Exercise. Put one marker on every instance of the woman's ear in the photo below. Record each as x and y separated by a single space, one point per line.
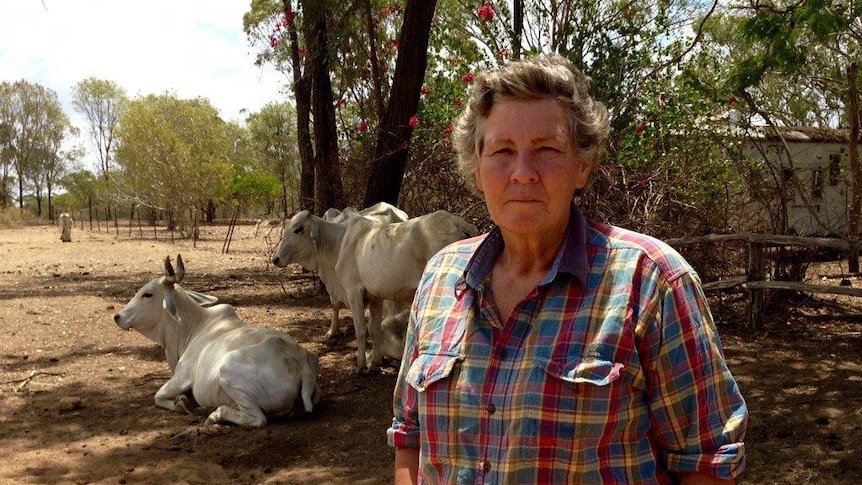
478 181
582 173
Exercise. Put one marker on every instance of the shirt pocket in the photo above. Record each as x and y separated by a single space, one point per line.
588 386
430 368
594 371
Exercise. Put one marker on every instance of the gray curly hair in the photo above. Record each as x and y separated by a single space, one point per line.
535 78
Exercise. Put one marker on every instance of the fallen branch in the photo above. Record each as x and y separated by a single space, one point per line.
153 376
26 380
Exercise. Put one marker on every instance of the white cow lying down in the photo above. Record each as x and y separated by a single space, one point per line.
244 372
363 262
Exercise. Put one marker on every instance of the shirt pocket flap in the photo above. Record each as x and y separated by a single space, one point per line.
590 371
430 368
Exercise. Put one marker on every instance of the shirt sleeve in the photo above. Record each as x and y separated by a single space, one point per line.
698 414
404 432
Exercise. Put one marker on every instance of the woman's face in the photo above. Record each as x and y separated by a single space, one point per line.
528 168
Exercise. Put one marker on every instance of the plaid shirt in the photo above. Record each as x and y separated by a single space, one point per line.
610 371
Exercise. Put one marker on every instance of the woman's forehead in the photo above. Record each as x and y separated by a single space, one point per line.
534 119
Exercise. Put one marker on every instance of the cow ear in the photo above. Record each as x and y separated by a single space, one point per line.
201 298
170 304
314 232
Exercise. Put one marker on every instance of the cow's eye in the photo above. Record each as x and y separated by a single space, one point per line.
147 295
298 230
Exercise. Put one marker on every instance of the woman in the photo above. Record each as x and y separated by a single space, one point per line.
555 349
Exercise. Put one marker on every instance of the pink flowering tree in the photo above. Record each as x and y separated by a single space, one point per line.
382 155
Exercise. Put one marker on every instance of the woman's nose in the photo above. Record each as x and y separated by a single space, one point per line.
524 170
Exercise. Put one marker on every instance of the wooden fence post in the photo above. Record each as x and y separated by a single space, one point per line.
756 272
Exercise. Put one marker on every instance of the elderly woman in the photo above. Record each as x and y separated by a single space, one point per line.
555 349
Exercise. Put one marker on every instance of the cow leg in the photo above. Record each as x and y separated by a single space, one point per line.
357 309
237 382
172 392
261 376
376 314
333 325
310 391
252 416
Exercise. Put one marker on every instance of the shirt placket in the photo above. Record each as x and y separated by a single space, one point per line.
506 343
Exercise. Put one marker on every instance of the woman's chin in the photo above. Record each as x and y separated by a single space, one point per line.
523 224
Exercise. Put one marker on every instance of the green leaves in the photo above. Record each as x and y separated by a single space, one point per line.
175 153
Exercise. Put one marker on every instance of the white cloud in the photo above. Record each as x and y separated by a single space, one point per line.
193 48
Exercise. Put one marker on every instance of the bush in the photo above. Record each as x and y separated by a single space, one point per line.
11 217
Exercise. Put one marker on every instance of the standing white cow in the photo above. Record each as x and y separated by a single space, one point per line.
65 222
363 262
244 372
380 212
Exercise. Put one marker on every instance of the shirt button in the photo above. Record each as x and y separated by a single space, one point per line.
492 409
486 466
502 354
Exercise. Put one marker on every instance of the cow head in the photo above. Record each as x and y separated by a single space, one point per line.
144 312
299 242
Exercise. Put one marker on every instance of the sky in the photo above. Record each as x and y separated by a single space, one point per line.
189 48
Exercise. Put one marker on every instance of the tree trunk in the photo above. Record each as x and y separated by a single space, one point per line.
302 93
375 62
853 155
329 190
517 28
50 205
20 191
393 141
211 212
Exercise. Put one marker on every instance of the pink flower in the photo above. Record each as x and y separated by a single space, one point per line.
640 128
467 78
732 100
273 42
414 121
302 51
385 12
289 15
458 102
447 130
363 126
485 13
393 45
662 97
426 90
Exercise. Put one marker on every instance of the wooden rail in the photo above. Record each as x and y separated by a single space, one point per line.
754 281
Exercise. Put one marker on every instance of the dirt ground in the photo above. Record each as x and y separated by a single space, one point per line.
76 391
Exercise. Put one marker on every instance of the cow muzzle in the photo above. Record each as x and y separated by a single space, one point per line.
118 319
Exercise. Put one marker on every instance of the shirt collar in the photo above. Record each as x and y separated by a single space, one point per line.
571 258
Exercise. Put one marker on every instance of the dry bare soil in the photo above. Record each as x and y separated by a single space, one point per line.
76 391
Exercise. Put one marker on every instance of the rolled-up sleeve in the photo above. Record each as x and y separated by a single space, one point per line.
698 413
404 432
